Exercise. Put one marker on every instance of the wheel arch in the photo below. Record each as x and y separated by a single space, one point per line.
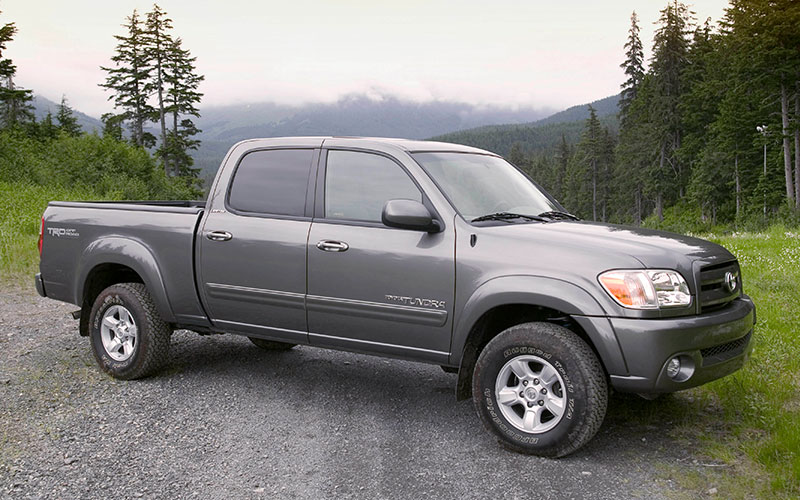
511 300
118 260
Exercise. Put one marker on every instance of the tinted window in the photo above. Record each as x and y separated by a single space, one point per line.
272 182
358 185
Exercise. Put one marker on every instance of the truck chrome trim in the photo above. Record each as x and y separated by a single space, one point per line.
344 340
377 310
258 295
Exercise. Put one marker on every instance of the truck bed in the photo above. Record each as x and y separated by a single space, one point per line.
155 239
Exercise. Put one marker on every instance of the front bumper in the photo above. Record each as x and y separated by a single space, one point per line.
710 346
39 284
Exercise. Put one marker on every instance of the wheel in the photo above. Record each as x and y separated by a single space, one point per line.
129 339
271 345
540 389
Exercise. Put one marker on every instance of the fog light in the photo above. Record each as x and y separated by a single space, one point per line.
674 368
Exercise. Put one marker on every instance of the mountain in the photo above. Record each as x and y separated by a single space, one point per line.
489 127
539 136
43 105
355 115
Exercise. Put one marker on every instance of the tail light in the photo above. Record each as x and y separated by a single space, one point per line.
41 237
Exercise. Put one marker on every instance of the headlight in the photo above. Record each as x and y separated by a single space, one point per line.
646 289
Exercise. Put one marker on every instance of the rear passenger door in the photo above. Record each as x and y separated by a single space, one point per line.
370 287
252 249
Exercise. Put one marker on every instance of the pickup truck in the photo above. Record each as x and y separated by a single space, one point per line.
424 251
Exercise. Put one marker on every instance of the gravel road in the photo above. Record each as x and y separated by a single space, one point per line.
228 420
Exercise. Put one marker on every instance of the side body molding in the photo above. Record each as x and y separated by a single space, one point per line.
544 292
130 253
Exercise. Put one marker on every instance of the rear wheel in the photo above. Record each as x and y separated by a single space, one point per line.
540 389
270 345
129 339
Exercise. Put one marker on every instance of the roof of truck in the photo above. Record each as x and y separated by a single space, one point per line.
409 145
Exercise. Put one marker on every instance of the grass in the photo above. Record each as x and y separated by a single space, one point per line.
20 218
747 425
760 404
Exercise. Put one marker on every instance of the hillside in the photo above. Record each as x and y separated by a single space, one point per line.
538 136
352 115
43 105
384 116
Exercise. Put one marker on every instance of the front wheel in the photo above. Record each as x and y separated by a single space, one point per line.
129 339
540 389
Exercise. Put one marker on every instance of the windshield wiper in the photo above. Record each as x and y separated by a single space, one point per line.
557 214
508 216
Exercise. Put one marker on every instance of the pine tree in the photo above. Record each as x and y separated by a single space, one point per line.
562 162
766 36
128 81
67 121
15 102
670 49
112 125
158 44
181 98
633 66
584 171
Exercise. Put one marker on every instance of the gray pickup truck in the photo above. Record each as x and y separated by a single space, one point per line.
418 250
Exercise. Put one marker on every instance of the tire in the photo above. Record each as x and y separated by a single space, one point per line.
129 339
557 405
271 345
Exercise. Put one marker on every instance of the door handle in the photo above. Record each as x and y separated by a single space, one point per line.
332 246
219 235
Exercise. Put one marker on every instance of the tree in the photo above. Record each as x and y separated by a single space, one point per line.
128 81
157 50
562 161
633 66
67 121
670 50
181 98
766 35
516 156
15 102
586 171
112 125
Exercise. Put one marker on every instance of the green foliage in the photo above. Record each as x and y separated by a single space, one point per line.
761 403
23 205
106 166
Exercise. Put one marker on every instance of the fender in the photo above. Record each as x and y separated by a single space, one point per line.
130 253
541 291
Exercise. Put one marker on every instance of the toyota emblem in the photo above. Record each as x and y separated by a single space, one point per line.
730 281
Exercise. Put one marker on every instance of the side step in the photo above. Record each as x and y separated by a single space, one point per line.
76 314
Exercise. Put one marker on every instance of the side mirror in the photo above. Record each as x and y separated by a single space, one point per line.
409 214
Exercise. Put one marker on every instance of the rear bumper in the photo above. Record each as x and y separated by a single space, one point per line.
39 284
710 346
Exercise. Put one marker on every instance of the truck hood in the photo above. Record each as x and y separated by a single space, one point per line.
588 248
654 249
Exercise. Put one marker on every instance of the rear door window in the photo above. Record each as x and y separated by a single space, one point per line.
272 182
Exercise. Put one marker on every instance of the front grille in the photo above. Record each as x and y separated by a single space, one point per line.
726 351
713 290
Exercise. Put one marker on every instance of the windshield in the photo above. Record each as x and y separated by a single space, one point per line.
479 185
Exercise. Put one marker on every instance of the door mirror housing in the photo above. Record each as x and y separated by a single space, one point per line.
409 214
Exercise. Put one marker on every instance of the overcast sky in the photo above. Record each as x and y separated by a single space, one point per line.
537 53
